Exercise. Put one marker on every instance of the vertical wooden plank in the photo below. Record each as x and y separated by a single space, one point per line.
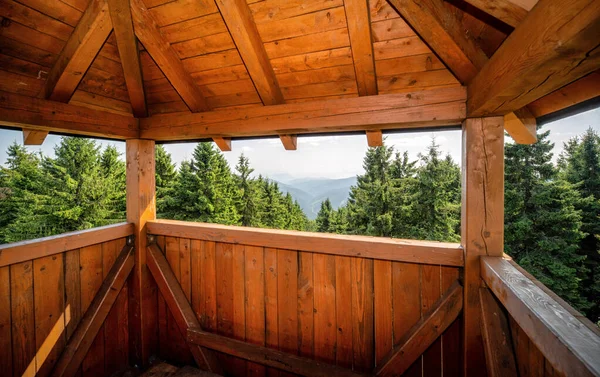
382 271
163 336
5 322
72 292
255 302
305 304
271 322
343 311
90 260
362 314
287 299
224 267
406 293
482 224
431 285
196 280
23 322
185 266
324 317
536 361
49 292
141 207
209 288
451 342
239 307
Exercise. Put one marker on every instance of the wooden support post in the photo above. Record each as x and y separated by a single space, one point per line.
141 207
521 126
290 142
224 143
482 222
374 138
34 137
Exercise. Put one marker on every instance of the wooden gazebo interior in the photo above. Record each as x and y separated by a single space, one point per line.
252 302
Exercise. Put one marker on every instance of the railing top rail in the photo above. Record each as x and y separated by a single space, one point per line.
40 247
412 251
566 342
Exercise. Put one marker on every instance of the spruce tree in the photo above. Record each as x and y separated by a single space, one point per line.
249 201
273 211
165 180
323 219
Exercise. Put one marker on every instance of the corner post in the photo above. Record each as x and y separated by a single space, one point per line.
141 207
482 223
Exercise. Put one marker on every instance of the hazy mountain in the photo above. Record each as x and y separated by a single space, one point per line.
310 192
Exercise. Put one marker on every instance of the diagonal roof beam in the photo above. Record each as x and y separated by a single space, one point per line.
239 21
165 57
504 10
120 14
79 52
359 27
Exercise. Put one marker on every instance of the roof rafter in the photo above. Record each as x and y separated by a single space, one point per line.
359 28
504 10
290 142
34 137
120 14
165 57
79 52
239 21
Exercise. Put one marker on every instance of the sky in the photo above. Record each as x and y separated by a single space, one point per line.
327 156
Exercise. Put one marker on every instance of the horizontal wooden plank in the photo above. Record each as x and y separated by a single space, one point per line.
26 250
266 356
427 108
568 344
22 111
426 252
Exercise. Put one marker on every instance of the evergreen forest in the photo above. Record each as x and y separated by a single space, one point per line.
552 211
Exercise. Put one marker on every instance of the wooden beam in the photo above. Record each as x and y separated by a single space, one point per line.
298 365
79 52
499 352
179 306
423 333
18 252
165 57
224 143
482 223
553 46
120 14
568 344
411 251
34 137
443 32
375 138
585 88
428 108
359 28
38 114
504 10
290 142
521 126
70 359
141 208
239 21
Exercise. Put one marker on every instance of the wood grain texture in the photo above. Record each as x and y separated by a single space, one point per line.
482 224
568 344
359 29
6 360
34 137
552 47
521 126
359 246
79 52
224 143
374 138
504 10
23 321
290 142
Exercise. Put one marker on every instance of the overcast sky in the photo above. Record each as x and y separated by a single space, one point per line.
328 156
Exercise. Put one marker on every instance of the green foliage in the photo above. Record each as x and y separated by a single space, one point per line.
165 180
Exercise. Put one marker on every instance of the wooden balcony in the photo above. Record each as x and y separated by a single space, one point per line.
245 301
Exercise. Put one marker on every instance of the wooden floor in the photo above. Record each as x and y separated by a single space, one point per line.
167 370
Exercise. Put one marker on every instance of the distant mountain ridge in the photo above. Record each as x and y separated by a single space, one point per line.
310 192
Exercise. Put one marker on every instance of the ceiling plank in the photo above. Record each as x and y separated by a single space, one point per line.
165 57
375 138
120 14
521 126
553 46
503 10
443 32
426 108
290 142
38 114
239 21
224 143
34 137
79 52
359 28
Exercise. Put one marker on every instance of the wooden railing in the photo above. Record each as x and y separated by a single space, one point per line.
557 339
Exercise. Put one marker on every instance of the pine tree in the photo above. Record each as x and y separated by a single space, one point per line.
249 201
324 217
165 180
273 212
114 181
542 226
403 174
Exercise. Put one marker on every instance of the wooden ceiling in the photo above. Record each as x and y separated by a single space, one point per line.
206 55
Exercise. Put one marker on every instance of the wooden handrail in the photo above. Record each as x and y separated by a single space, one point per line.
567 343
412 251
32 249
